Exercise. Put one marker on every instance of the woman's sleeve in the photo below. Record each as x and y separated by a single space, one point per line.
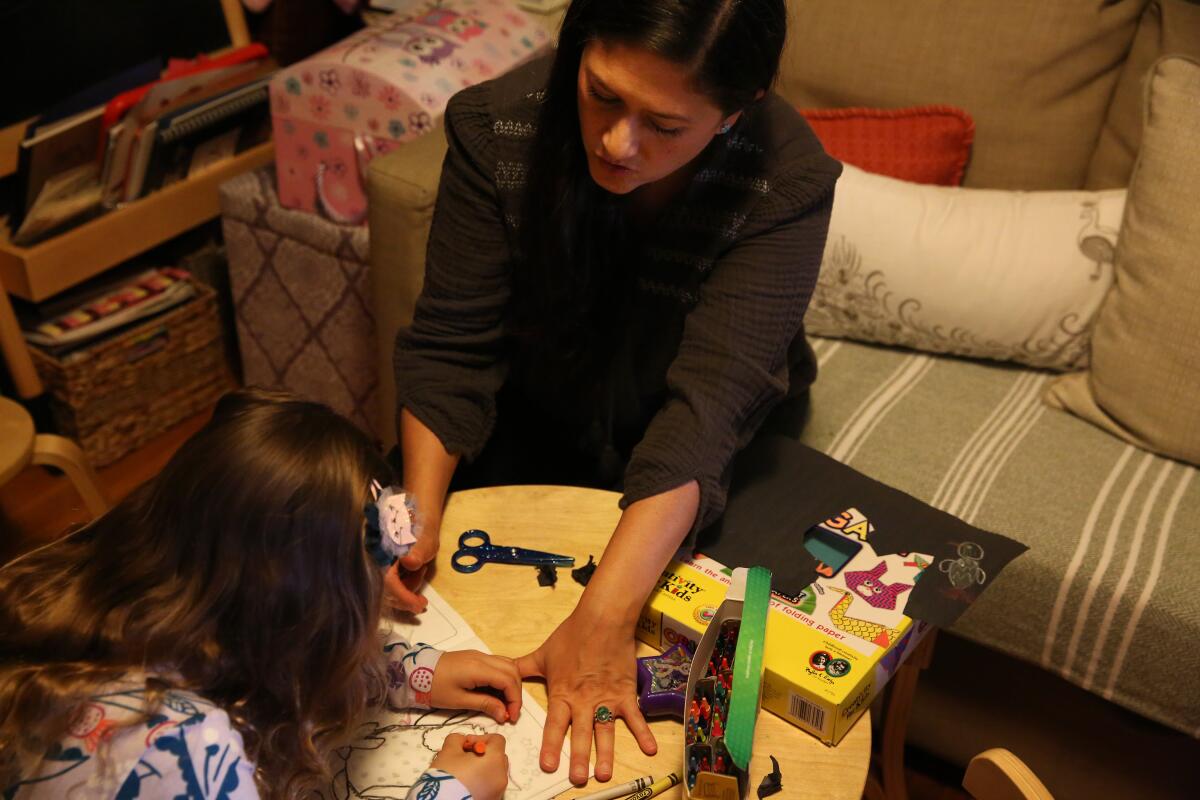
449 363
410 673
732 366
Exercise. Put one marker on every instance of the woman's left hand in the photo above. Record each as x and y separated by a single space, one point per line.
590 660
587 663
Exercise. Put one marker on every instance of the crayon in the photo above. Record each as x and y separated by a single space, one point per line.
656 789
622 790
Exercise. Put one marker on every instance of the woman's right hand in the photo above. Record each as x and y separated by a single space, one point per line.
404 578
486 774
428 468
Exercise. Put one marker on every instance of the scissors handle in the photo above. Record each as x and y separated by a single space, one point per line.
473 548
473 561
465 543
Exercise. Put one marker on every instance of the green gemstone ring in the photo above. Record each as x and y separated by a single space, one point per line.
603 715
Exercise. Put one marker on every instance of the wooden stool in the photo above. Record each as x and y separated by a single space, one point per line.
997 774
21 445
15 352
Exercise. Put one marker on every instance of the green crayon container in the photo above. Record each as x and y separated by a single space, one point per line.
723 692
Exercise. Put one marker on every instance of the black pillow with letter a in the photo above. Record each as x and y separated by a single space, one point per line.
780 492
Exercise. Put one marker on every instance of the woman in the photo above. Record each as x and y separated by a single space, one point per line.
624 244
216 635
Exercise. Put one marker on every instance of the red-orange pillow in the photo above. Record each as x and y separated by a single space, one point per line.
923 144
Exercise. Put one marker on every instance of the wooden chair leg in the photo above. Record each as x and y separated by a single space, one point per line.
902 689
16 352
997 774
57 451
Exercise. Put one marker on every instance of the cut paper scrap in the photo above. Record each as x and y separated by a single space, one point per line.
392 748
864 629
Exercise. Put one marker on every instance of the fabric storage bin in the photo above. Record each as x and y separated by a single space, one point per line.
301 299
384 85
118 393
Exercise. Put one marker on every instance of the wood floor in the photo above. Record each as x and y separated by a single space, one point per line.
37 506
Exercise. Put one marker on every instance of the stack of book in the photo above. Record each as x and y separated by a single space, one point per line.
97 312
136 133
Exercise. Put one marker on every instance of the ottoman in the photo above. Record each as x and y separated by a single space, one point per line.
300 293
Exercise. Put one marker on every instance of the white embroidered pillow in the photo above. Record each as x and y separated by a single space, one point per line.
1013 276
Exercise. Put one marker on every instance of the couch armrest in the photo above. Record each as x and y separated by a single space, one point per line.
401 189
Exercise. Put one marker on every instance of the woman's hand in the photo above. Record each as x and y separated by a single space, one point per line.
589 661
476 681
486 774
405 578
428 468
587 664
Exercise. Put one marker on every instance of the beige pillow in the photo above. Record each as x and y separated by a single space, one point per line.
986 273
1144 382
1167 27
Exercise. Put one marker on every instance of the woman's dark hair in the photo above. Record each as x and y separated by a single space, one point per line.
570 266
238 572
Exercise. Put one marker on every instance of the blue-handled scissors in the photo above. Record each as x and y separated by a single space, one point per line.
475 548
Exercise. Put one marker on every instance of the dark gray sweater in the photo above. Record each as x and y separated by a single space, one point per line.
721 283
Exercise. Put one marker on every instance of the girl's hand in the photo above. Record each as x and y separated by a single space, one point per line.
405 577
486 775
477 681
587 664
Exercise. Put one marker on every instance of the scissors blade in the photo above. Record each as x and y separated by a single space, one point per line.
520 555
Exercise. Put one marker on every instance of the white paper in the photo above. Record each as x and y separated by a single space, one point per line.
395 747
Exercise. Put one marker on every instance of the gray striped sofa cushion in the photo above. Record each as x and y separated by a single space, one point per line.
1108 595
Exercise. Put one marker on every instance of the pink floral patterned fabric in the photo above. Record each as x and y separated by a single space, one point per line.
383 86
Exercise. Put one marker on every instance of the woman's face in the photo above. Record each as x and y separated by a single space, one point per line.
641 119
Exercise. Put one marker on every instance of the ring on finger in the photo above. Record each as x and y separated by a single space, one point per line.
603 714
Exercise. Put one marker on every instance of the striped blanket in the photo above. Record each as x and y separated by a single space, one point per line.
1108 595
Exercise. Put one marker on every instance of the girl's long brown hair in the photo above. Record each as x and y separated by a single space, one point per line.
238 573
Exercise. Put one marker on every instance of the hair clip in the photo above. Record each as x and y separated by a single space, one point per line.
391 524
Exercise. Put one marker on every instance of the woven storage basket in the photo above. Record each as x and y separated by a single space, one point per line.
116 395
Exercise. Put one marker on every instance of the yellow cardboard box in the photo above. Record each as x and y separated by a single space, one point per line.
829 650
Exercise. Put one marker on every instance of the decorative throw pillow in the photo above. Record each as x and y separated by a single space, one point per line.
1038 76
922 144
988 273
1144 382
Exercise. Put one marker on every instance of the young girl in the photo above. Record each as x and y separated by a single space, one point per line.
216 634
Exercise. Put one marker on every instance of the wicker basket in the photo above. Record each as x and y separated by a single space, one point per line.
118 394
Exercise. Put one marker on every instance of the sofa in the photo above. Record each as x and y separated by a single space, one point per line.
1082 657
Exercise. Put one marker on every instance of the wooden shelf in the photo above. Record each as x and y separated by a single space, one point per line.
10 143
44 269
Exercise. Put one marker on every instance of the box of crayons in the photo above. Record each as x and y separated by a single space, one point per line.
723 692
829 650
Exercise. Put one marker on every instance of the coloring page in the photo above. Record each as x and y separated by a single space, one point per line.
439 626
394 747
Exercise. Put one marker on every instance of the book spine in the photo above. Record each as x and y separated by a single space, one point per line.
202 119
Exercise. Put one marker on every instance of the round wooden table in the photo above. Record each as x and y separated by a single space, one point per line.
513 615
